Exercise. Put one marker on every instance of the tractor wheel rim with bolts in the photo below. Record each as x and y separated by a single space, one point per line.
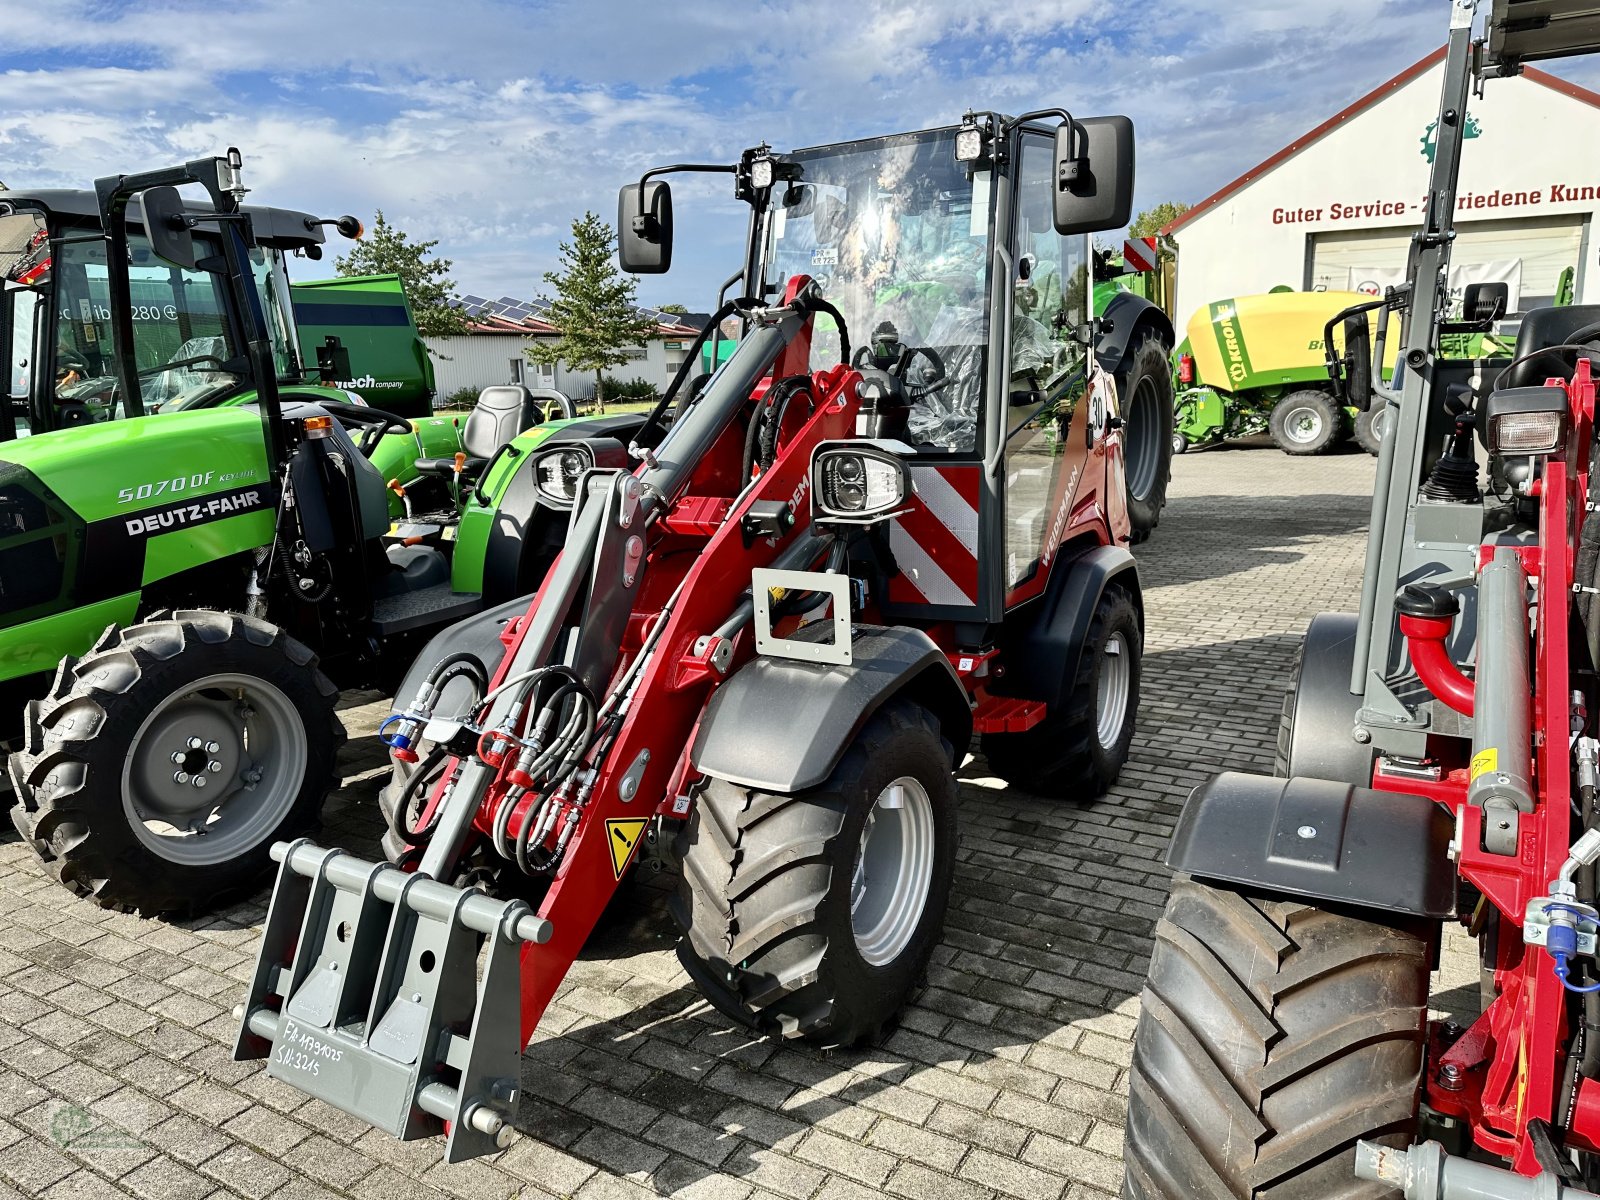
893 871
1303 425
1380 423
1143 451
1112 690
239 734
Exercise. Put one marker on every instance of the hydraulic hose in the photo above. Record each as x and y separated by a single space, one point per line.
653 421
398 824
770 410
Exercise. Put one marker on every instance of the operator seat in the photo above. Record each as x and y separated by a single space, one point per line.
502 412
1548 327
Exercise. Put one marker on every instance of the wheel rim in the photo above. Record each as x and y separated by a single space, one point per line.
1112 690
1380 424
1143 444
893 871
1179 443
1303 426
239 734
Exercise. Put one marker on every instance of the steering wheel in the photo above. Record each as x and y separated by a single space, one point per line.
940 377
178 364
373 422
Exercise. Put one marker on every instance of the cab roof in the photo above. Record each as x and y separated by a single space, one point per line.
280 228
1521 31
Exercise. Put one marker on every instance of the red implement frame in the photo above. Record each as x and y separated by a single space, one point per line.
1505 1071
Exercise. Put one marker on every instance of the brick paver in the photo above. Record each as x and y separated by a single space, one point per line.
1007 1078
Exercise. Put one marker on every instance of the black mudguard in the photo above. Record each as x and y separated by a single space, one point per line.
1041 644
1320 742
1130 317
780 725
1319 839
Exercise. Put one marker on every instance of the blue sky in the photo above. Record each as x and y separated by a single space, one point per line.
490 124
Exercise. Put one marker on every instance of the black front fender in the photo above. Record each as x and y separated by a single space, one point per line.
1319 839
1131 317
781 725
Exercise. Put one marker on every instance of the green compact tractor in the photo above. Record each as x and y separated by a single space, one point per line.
182 487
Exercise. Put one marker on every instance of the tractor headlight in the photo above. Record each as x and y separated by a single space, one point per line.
969 139
761 173
1525 420
857 483
556 473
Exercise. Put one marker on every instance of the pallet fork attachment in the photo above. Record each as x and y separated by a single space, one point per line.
379 1010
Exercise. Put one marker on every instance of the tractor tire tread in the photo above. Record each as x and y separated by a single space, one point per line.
1301 1027
55 812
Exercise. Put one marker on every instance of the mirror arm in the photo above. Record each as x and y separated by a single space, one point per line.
698 168
1080 139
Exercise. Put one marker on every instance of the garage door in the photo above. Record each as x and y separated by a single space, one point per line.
1529 252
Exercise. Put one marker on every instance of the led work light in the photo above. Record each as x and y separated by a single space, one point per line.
556 473
969 140
857 483
1525 420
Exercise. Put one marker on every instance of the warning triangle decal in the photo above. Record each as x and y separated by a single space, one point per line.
622 835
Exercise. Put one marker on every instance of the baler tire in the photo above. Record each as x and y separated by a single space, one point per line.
1144 392
1370 426
83 740
768 892
1326 434
1272 1036
1067 754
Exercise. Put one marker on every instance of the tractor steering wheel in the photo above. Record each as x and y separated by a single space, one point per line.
373 422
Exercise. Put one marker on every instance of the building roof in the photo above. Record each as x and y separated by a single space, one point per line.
1376 96
529 318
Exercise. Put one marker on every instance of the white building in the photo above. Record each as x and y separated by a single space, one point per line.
1335 210
493 351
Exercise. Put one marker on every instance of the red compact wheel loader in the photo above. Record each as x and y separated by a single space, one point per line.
893 518
1438 762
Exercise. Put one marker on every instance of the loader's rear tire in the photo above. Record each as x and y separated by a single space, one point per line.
1306 422
1272 1036
814 915
1079 749
109 775
1144 391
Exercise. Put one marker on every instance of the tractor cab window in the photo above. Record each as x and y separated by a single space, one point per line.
182 341
1046 425
895 232
36 542
272 285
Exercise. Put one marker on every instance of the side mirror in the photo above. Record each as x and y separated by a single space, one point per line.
333 362
1485 303
165 226
644 228
1357 361
1094 175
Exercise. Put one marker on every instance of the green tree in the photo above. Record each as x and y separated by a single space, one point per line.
675 309
386 250
1153 220
593 307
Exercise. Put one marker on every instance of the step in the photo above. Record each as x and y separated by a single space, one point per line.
422 609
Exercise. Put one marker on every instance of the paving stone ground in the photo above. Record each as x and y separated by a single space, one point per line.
1006 1079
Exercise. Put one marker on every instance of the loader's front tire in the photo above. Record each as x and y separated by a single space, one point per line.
1081 745
814 915
1272 1036
1144 391
159 769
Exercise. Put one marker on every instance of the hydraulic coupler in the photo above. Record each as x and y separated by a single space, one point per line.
1426 1172
365 995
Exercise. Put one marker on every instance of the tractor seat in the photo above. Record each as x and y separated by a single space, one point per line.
500 414
1548 327
414 568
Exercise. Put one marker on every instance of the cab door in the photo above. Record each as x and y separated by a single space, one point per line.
1050 407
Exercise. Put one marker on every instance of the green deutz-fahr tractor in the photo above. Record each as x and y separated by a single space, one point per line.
182 487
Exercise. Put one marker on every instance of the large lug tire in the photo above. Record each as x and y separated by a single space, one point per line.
108 778
1306 422
1372 426
814 915
1144 391
1272 1036
1079 749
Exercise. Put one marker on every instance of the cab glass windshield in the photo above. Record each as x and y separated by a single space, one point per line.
895 232
182 344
